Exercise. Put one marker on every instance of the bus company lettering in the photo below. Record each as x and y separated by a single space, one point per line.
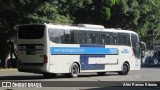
69 50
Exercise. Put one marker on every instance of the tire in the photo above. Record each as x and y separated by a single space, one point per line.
125 69
101 73
49 75
74 71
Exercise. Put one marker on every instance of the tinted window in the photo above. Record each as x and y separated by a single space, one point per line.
31 31
85 37
134 39
113 38
92 37
135 45
55 35
123 39
67 37
80 37
104 38
60 35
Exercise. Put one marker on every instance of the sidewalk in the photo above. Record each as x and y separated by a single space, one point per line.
1 69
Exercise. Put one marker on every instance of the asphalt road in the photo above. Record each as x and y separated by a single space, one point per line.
88 81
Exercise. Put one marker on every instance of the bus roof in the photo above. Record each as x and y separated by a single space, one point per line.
94 28
87 27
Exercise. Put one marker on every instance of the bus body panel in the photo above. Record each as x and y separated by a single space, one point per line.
58 62
110 62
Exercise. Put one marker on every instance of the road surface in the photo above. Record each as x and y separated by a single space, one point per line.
87 81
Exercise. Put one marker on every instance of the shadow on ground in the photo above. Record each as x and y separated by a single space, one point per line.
40 76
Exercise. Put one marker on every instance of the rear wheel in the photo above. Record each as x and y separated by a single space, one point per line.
125 69
101 73
49 75
74 71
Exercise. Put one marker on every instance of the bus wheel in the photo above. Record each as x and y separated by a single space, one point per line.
74 71
101 73
49 75
125 69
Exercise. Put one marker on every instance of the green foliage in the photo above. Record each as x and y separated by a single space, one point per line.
15 12
141 16
70 7
137 15
96 12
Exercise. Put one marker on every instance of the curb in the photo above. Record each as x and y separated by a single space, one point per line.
1 70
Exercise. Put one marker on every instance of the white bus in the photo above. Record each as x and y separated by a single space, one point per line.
62 49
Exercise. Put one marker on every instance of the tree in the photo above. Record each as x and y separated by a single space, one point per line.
141 16
15 12
71 7
96 12
138 15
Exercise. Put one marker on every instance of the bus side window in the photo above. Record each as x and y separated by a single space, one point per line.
104 38
113 39
63 37
72 37
123 39
55 35
79 37
92 37
66 36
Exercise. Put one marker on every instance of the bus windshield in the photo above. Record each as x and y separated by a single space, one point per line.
135 45
31 31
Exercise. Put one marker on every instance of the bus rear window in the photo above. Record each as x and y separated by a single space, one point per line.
31 31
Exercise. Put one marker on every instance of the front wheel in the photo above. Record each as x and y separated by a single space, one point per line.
125 69
74 71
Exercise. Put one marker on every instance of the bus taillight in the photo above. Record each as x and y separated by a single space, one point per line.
45 59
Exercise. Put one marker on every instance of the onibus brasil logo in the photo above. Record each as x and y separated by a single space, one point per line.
21 84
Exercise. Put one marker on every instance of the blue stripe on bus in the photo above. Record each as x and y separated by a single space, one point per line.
83 50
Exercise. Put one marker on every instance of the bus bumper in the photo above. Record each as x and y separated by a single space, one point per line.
34 68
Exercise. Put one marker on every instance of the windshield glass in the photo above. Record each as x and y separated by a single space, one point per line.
135 45
31 31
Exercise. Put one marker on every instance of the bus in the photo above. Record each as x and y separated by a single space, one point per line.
72 49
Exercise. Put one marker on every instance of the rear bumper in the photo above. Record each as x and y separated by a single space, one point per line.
33 68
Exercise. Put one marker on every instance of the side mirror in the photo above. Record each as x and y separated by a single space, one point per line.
143 49
142 53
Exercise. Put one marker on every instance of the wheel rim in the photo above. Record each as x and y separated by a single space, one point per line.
125 69
75 70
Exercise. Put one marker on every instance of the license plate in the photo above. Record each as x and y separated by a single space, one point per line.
30 50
